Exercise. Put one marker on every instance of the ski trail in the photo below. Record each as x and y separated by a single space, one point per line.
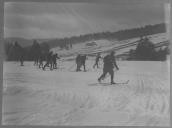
152 98
56 100
165 95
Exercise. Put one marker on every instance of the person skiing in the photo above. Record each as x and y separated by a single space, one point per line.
54 57
83 59
78 62
48 61
41 58
21 60
109 64
35 61
97 60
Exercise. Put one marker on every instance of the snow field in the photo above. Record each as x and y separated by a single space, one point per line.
65 97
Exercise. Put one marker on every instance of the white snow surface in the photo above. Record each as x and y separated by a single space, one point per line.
32 96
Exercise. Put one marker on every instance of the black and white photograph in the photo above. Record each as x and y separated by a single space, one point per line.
86 63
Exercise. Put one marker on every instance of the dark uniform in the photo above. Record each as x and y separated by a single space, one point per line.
97 61
54 57
21 60
41 58
78 63
109 64
83 59
48 61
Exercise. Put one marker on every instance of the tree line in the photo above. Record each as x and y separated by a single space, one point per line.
66 43
15 52
145 50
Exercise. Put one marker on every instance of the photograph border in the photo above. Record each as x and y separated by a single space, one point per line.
167 20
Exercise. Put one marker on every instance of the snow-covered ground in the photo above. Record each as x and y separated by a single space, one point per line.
32 96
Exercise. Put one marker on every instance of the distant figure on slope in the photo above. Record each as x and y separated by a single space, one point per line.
22 60
83 60
36 60
48 61
54 57
97 60
41 58
109 63
78 62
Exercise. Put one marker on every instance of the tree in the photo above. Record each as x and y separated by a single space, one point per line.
162 54
15 52
35 50
131 54
145 50
44 48
7 48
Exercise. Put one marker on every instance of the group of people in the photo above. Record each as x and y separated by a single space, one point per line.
80 61
109 64
51 61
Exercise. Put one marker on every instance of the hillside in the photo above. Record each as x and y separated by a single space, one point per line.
121 35
103 46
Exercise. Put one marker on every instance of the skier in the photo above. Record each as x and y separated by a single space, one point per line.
78 62
97 60
21 60
109 63
41 58
54 57
36 60
83 59
48 61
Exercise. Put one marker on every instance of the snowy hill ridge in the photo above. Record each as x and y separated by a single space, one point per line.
103 46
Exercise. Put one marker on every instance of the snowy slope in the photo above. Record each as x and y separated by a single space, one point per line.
32 96
106 45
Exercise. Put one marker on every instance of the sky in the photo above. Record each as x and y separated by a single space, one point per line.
40 20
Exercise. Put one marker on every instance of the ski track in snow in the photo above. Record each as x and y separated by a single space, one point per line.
63 97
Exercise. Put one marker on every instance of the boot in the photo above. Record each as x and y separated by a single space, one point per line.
112 82
99 80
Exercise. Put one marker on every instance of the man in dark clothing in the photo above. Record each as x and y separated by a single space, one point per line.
78 63
21 60
54 57
48 61
36 61
97 61
41 58
109 64
83 59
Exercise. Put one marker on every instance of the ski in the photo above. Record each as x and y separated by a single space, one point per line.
105 84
